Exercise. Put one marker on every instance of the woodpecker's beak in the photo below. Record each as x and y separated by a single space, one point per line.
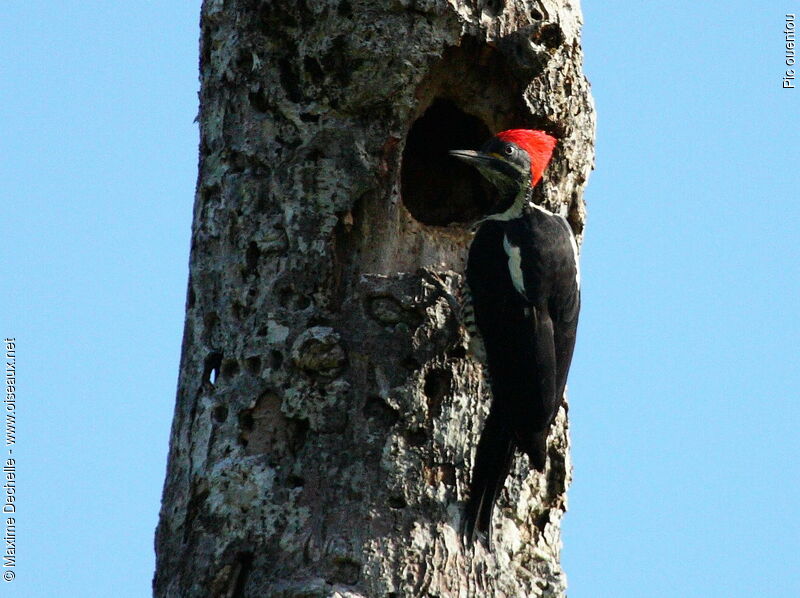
478 159
494 167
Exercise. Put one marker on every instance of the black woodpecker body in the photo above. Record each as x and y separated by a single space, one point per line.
521 310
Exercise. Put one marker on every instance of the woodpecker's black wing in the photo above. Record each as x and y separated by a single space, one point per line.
564 307
549 278
504 319
522 279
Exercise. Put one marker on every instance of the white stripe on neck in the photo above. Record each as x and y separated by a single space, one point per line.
514 211
541 209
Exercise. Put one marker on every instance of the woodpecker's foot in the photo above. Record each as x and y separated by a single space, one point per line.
469 533
486 540
483 538
467 527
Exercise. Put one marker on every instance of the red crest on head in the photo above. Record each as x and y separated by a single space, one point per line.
538 144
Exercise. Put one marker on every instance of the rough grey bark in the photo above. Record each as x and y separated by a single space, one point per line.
327 415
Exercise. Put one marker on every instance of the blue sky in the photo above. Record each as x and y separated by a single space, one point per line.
684 389
98 154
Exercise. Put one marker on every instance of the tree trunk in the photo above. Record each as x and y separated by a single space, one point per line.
327 415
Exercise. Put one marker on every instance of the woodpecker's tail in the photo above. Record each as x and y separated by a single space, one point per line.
492 463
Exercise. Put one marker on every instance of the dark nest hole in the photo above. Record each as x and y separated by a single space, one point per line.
436 188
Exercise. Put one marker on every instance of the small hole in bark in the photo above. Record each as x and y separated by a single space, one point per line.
542 520
295 481
458 352
253 365
437 188
410 363
246 421
397 502
285 295
238 310
313 68
191 297
258 100
211 367
376 409
244 62
230 368
290 80
275 360
220 414
416 437
346 571
344 9
298 428
291 298
551 36
210 324
494 7
437 386
251 258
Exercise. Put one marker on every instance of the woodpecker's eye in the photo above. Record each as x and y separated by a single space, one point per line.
509 150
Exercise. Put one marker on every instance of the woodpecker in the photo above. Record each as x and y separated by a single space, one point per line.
522 299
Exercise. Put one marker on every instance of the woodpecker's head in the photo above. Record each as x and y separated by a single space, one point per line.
512 160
